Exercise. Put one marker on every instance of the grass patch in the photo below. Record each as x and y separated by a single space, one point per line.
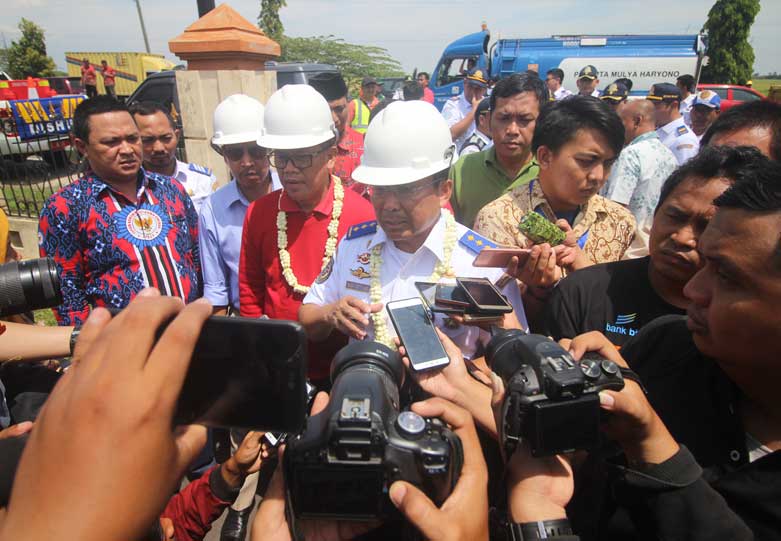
45 316
26 199
763 85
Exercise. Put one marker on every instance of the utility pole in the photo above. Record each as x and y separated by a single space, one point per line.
204 7
143 27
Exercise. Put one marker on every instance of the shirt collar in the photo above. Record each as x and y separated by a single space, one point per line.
236 195
347 140
490 158
644 137
670 126
465 102
324 207
434 242
144 180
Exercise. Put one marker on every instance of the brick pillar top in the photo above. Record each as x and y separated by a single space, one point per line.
224 40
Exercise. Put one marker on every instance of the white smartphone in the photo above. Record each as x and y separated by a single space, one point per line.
416 331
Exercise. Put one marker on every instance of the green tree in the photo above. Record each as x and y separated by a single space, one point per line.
731 55
27 57
269 20
354 61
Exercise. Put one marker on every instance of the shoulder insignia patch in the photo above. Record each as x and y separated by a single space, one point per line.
475 242
360 230
682 130
199 169
326 272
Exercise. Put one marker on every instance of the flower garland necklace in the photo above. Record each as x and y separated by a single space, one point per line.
443 268
330 244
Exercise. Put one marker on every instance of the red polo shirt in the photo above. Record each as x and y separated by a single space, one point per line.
349 150
263 289
428 95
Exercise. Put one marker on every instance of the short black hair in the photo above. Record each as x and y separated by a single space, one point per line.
424 74
758 189
754 114
516 84
93 106
687 81
557 73
626 82
731 163
560 121
146 108
412 91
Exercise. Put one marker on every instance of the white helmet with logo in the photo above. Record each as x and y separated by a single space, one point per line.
237 119
406 142
297 116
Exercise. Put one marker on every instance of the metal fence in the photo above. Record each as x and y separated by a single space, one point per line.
31 171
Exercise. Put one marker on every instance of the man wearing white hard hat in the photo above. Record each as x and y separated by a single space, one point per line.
407 155
291 234
237 123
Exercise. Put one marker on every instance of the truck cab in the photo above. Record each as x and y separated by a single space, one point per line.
468 52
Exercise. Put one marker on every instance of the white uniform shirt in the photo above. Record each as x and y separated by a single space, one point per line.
351 275
199 182
454 111
680 139
472 144
686 109
561 93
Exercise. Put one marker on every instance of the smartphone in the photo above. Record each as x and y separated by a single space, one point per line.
275 439
428 291
500 257
451 295
484 296
246 373
416 332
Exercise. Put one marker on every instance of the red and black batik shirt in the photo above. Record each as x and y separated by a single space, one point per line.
107 249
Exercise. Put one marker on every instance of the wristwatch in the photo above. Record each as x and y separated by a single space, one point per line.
74 337
543 529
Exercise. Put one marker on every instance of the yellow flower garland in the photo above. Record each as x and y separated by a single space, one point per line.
330 244
443 268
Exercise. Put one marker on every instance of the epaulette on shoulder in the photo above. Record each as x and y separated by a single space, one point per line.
200 169
361 230
475 242
682 130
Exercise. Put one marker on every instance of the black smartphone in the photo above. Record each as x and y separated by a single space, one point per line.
416 332
275 439
484 297
246 373
452 295
428 291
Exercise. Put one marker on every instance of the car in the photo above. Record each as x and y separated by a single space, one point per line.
732 95
161 87
391 86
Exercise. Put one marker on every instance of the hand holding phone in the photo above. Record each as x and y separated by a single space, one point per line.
484 298
417 334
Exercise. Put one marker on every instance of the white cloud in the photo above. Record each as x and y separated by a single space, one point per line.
414 31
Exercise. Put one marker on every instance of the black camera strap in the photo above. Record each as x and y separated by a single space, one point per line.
628 373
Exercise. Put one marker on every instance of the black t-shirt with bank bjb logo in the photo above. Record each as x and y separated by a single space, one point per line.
615 299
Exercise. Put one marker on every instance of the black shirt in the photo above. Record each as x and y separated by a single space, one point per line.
615 299
699 405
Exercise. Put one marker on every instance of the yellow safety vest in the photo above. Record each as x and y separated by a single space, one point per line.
361 119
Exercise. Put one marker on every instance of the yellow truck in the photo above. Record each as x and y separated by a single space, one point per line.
132 68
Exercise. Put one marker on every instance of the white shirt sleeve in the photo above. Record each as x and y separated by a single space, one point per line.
451 113
327 287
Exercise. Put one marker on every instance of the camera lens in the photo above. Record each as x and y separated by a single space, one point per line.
371 354
29 285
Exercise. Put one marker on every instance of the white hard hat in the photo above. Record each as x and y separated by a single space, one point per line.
237 119
297 116
407 141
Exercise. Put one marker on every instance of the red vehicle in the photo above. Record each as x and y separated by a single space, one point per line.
732 95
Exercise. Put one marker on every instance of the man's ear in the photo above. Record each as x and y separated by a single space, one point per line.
81 145
544 157
445 191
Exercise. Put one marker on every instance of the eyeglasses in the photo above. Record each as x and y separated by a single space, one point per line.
403 192
300 161
235 153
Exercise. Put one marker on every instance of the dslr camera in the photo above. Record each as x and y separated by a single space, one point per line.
29 285
343 464
551 400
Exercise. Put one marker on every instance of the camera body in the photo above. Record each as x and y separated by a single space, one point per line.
551 400
343 464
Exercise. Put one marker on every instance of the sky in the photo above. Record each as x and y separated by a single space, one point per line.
413 31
